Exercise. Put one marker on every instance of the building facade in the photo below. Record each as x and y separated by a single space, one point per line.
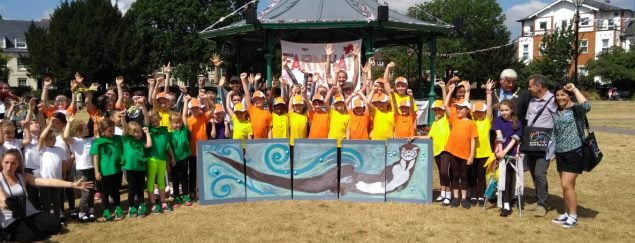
601 27
14 46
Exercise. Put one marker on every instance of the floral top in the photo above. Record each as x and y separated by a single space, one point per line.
566 133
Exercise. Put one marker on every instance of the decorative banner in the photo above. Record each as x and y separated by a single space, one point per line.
311 58
221 171
315 169
362 171
409 171
268 169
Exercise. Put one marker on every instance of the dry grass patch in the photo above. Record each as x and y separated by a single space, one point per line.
619 114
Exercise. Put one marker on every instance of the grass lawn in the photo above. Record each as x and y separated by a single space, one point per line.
605 198
618 114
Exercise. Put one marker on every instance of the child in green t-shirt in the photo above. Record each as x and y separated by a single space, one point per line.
135 141
180 143
158 156
106 151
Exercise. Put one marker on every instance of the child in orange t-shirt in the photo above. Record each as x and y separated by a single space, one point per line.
197 125
405 119
360 118
259 116
461 146
319 116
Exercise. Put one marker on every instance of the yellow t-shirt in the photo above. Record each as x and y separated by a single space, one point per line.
242 130
280 126
483 145
383 125
338 125
399 98
439 132
297 126
165 119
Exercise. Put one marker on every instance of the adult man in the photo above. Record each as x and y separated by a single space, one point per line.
538 165
508 90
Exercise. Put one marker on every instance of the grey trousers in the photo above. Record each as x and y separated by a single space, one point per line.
538 167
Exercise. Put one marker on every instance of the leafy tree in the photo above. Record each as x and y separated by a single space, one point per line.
170 30
86 36
556 57
616 66
4 70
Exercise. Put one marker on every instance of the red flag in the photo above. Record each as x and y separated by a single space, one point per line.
296 63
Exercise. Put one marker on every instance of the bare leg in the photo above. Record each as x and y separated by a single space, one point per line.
568 191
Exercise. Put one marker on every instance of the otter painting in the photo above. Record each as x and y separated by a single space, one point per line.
394 177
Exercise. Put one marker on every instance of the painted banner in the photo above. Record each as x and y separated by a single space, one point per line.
268 169
362 169
311 57
221 171
315 169
409 171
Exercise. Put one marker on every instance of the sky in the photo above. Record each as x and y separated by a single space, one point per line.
513 9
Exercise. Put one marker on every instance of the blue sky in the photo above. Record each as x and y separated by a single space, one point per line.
514 9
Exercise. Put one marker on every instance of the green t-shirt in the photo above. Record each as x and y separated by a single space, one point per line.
109 151
180 143
160 143
134 154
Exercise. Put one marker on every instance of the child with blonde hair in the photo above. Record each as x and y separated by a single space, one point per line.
75 135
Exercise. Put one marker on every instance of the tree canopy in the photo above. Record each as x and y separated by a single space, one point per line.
616 66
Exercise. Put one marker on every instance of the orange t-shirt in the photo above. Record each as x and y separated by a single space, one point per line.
48 112
319 124
260 122
461 132
358 126
404 125
198 129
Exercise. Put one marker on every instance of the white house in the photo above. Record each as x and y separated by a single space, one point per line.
13 44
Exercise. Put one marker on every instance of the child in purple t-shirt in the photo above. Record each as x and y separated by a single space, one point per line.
508 132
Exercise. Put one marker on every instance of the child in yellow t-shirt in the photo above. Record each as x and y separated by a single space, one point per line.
482 114
339 120
298 119
383 115
280 119
242 126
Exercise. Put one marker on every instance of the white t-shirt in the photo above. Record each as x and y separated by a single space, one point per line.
6 217
32 157
81 149
118 131
60 143
52 159
15 143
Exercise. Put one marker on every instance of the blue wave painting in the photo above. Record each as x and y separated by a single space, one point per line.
418 188
218 181
315 169
268 169
364 158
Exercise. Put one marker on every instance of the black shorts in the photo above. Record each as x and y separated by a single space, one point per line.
570 161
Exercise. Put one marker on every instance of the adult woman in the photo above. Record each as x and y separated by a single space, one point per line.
569 147
29 224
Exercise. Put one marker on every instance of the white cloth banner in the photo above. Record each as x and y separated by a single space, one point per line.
311 57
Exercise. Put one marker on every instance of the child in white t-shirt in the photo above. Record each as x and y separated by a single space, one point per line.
52 159
75 135
8 139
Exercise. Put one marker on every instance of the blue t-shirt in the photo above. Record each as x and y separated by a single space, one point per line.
509 133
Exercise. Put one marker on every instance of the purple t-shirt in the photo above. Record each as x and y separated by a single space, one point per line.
507 128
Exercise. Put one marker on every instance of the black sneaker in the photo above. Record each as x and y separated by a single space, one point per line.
505 212
481 202
466 203
454 203
473 201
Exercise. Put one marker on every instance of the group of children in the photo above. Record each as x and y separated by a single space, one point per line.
149 138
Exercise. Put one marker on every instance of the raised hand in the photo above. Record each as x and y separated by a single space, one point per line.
441 84
356 50
200 81
251 78
451 87
243 76
216 60
222 81
329 49
183 89
145 130
78 78
119 80
93 86
258 77
26 123
409 92
336 68
489 85
167 68
70 118
47 82
284 61
569 87
151 81
390 65
186 98
83 185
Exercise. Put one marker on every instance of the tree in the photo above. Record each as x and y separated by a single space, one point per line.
615 65
483 28
4 70
170 29
86 36
556 57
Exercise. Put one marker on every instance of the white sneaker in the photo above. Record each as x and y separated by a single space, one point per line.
439 199
570 222
446 202
561 219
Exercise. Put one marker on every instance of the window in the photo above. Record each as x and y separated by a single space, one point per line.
611 24
584 21
21 65
525 51
20 44
22 82
605 44
543 25
584 46
541 48
583 71
3 43
563 24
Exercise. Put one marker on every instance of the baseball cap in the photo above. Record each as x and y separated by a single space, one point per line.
318 97
347 85
380 97
338 98
464 103
195 103
162 95
234 79
297 100
258 94
401 79
357 102
379 81
278 101
218 108
405 103
239 107
438 104
479 106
